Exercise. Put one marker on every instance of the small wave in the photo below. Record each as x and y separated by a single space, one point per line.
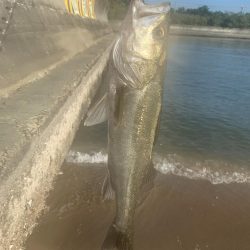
168 166
215 177
79 158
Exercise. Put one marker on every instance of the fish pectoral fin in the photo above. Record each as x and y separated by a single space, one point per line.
128 76
98 113
107 191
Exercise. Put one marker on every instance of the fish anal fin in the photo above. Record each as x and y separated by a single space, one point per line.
107 191
98 113
149 178
147 185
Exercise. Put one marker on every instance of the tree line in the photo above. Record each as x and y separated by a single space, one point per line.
118 9
201 16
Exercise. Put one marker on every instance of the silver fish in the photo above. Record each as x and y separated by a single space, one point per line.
132 107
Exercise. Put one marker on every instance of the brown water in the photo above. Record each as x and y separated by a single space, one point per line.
178 214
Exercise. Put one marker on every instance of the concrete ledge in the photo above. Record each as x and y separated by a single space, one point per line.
50 67
188 30
36 38
37 125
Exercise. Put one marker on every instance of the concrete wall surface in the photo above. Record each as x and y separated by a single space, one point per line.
51 64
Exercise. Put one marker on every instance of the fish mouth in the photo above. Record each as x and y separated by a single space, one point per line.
145 10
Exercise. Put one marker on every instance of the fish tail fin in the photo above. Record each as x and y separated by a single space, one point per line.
117 240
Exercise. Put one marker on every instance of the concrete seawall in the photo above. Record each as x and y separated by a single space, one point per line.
210 32
51 65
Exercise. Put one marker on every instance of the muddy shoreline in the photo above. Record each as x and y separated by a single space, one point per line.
178 214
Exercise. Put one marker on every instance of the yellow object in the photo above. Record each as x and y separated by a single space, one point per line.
84 8
68 5
80 7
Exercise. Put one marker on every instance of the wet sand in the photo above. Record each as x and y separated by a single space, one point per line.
178 214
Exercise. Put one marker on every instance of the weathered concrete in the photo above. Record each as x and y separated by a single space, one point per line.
51 65
37 37
210 32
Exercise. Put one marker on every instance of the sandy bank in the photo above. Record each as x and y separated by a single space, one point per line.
178 214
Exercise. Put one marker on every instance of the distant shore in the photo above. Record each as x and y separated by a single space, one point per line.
201 31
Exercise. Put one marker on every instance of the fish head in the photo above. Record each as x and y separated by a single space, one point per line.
144 38
149 30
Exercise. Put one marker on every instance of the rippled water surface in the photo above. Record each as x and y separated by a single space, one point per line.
207 100
205 121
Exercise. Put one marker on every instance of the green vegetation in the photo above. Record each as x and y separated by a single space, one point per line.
118 9
204 17
200 17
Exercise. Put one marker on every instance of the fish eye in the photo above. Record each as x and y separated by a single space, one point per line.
159 33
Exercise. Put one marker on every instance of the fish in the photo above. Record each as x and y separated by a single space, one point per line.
132 106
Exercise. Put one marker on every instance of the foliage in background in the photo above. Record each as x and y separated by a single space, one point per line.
118 9
204 17
201 16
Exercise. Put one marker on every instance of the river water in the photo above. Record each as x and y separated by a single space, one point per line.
201 199
205 121
207 100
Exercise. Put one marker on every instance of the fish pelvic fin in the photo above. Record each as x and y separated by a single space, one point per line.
117 240
107 191
98 113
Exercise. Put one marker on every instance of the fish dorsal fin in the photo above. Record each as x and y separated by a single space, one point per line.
98 113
